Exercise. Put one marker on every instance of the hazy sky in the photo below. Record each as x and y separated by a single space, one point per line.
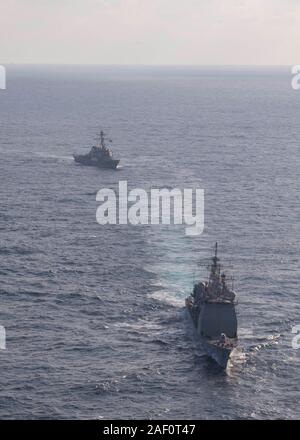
150 31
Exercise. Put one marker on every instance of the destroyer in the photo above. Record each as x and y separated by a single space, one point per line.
99 155
212 310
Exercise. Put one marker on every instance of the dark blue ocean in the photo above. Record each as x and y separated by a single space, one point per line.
94 315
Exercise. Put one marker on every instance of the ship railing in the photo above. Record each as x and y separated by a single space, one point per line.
220 300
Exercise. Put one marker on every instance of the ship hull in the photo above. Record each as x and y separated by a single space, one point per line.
83 160
220 353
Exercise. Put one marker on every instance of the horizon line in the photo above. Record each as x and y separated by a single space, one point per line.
142 64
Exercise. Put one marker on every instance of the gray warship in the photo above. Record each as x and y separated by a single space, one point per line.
99 155
211 307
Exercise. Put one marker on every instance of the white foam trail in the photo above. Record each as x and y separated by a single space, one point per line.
163 296
53 156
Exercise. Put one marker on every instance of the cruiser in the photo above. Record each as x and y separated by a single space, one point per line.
99 155
211 307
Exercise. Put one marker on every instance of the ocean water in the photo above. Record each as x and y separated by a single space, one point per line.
94 315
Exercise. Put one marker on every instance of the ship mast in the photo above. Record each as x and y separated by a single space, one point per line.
215 267
216 251
102 139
